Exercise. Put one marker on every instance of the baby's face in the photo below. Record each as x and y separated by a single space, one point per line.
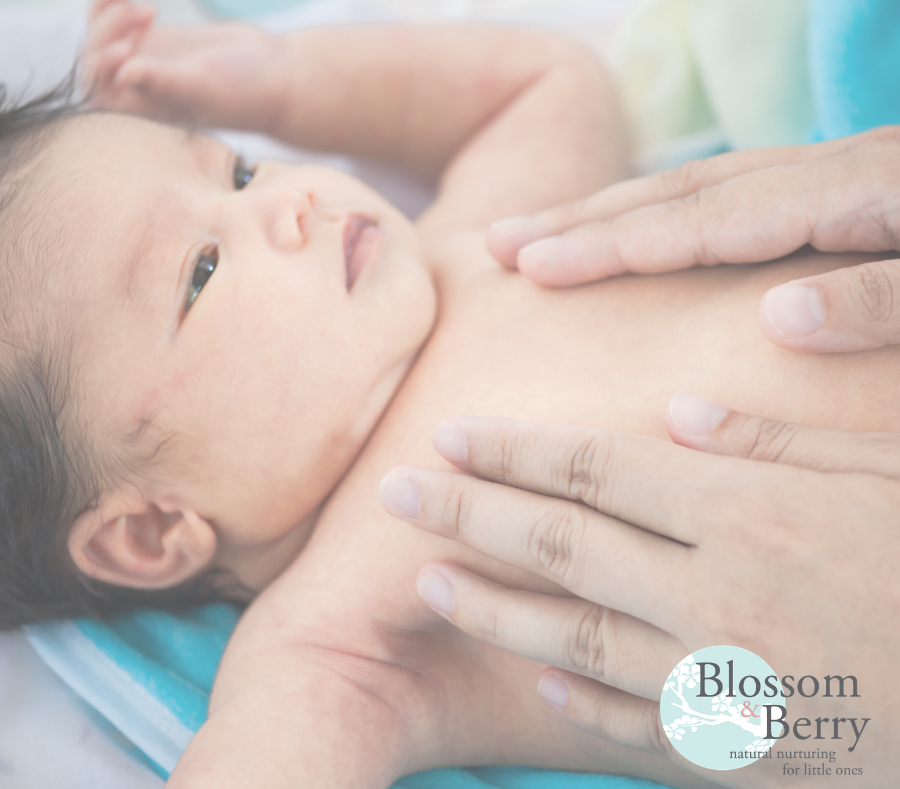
260 327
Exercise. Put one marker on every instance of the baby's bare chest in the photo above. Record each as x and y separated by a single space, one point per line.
607 356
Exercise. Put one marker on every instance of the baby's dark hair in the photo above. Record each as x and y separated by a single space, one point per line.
50 469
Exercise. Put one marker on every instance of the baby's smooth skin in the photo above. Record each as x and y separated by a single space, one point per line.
338 675
277 371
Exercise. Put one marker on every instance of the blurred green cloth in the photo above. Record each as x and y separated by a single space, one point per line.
759 72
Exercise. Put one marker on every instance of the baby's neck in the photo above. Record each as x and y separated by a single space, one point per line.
256 566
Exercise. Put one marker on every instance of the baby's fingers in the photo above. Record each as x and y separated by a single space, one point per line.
154 87
116 21
111 41
99 6
100 69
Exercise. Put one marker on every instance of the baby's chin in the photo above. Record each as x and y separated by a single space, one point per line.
379 397
258 568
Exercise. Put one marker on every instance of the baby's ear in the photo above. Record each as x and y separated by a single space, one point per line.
128 542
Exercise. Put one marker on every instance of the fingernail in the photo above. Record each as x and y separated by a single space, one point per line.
437 591
794 310
695 414
399 495
450 442
553 690
513 225
545 249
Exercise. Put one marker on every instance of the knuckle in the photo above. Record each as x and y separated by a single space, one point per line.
700 211
490 625
487 623
684 179
586 647
458 510
505 449
589 461
768 439
572 213
872 290
550 542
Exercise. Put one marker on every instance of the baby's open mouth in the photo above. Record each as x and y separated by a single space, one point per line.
361 236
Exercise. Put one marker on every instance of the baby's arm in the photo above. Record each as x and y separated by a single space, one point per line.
513 116
288 713
514 119
288 731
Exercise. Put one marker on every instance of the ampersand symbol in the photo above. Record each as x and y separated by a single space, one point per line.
747 709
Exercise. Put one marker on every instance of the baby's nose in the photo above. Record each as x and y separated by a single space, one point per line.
286 209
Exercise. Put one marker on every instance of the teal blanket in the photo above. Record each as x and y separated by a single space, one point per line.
150 674
854 62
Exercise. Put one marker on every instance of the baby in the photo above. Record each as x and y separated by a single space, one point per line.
209 368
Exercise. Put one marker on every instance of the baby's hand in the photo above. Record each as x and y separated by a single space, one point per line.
229 75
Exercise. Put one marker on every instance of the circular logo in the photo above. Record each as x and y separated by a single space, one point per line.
719 707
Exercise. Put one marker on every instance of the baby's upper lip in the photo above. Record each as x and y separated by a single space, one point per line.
353 229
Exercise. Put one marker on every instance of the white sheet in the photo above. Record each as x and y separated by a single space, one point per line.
49 737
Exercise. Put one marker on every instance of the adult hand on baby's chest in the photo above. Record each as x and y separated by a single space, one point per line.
672 551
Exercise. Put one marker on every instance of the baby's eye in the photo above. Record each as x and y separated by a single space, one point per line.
203 269
242 173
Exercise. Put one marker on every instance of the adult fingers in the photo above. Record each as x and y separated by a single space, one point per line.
850 309
507 236
608 471
592 555
571 633
701 424
608 713
752 217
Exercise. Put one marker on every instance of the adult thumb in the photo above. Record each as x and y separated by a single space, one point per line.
849 309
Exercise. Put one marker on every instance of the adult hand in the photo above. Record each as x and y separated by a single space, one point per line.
225 74
742 207
670 550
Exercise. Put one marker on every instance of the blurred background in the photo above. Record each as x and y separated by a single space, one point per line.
39 38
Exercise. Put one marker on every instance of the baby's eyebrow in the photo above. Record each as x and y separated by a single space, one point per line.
137 263
206 151
203 153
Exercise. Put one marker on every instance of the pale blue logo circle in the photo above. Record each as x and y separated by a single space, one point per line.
717 704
